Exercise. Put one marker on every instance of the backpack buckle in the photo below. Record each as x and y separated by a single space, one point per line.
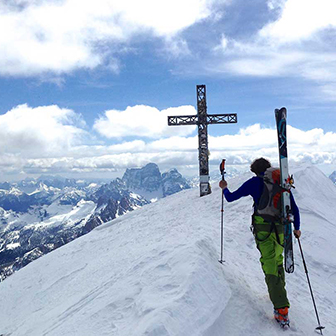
290 181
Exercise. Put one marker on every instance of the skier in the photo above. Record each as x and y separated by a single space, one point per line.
269 237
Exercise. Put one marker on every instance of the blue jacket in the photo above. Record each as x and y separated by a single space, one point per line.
254 187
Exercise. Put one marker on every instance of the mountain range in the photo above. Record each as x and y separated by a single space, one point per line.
38 216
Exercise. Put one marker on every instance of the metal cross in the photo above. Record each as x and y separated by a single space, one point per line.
202 120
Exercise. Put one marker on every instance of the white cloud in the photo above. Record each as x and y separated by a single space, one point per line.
253 137
164 17
40 131
300 19
143 121
268 64
174 143
128 147
176 47
60 36
299 43
312 146
48 139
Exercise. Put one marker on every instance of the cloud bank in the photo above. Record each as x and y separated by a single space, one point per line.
57 37
60 36
50 139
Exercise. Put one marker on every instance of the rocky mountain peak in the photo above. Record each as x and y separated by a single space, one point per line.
147 178
148 181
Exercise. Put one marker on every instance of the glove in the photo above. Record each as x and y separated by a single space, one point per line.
223 184
297 233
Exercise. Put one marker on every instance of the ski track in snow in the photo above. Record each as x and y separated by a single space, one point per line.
155 272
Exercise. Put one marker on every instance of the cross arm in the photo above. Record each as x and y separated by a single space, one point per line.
182 120
222 118
230 118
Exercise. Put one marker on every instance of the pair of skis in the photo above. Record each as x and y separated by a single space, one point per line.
287 217
286 183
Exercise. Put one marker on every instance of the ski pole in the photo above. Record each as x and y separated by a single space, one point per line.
222 170
319 328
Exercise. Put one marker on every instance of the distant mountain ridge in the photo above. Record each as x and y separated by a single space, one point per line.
39 215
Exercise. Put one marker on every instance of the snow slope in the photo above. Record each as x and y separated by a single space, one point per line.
155 272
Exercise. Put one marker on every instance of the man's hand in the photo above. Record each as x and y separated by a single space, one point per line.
297 233
223 184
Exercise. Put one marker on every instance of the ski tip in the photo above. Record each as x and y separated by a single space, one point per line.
282 110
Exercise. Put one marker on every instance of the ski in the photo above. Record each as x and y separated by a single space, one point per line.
286 183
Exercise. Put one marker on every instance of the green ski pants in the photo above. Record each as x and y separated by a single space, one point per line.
270 239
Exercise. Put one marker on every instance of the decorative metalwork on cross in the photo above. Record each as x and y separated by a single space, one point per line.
202 120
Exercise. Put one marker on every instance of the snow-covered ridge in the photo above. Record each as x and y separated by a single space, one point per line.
155 272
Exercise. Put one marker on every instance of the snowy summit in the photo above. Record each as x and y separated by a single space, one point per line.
155 272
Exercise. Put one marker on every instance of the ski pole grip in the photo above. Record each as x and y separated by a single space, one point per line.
222 168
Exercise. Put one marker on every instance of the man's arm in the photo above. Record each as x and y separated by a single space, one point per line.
245 189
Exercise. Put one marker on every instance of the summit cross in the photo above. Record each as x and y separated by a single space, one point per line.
202 120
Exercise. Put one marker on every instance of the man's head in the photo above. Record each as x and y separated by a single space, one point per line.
259 166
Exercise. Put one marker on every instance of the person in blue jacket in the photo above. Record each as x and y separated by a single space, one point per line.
269 237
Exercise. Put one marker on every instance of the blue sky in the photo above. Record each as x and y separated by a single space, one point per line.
85 88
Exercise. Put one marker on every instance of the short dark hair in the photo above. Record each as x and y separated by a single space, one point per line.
259 166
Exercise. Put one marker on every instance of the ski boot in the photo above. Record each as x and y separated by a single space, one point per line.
281 316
